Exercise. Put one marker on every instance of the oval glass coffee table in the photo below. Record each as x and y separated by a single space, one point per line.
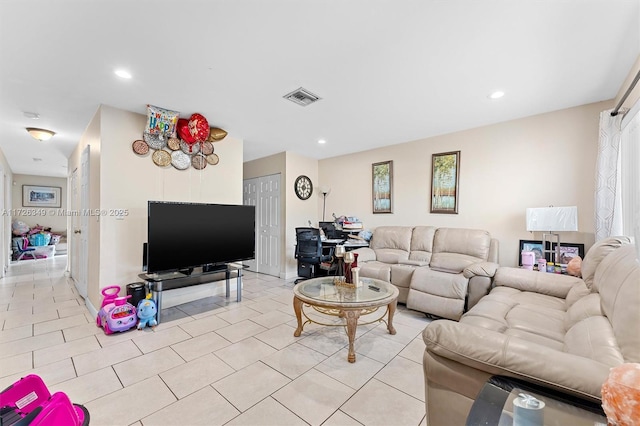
348 303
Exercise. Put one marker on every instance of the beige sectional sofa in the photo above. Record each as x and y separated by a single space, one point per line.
553 330
440 271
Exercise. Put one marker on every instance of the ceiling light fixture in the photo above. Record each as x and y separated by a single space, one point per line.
321 141
123 74
496 95
40 134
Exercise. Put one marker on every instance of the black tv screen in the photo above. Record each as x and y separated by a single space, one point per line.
187 235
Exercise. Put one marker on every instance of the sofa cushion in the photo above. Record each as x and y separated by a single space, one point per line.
617 280
401 275
391 256
593 338
597 253
422 243
587 306
472 242
453 263
391 237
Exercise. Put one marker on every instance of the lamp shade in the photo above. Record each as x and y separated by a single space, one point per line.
552 219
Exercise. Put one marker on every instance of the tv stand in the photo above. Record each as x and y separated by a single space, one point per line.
168 281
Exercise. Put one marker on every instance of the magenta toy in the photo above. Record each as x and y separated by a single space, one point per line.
116 314
29 402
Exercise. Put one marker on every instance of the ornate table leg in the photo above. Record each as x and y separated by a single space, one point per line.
352 323
297 307
392 310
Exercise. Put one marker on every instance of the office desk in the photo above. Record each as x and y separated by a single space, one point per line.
349 244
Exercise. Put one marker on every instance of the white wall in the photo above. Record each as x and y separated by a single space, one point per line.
537 161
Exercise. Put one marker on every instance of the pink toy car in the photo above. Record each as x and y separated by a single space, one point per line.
116 314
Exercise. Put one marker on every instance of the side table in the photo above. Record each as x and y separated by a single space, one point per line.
494 405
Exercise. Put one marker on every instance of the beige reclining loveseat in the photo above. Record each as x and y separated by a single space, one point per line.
440 271
553 330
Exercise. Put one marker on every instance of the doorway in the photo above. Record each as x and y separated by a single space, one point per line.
264 193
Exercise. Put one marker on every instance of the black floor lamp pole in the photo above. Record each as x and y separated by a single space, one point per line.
324 204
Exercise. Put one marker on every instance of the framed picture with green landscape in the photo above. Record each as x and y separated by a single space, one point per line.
445 175
382 179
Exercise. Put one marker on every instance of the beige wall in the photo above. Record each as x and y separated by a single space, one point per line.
128 181
537 161
53 218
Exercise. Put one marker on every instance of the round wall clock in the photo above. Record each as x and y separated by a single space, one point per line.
303 187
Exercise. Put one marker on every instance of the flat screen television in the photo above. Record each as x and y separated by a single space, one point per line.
182 236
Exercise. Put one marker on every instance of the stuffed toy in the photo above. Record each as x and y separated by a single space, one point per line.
147 311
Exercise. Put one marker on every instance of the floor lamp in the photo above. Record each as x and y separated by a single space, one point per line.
551 220
324 191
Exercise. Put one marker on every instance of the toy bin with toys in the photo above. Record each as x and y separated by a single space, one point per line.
116 314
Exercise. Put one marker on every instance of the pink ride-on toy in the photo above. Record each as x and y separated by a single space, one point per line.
29 402
116 314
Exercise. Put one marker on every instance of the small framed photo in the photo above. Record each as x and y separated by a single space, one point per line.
382 181
41 196
531 245
568 251
445 175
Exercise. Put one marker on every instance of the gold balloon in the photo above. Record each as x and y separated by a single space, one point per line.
216 134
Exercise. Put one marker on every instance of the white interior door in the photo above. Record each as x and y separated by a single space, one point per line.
250 198
80 224
264 193
269 225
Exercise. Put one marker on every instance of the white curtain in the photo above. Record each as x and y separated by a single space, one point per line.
608 198
630 157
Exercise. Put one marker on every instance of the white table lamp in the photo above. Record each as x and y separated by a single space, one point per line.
550 220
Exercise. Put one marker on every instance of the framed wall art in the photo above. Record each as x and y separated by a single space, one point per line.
445 175
41 196
531 245
568 251
382 184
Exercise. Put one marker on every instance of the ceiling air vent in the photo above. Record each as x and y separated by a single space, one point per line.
302 97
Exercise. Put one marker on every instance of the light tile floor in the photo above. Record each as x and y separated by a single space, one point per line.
212 361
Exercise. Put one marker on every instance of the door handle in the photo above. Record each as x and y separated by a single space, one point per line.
77 231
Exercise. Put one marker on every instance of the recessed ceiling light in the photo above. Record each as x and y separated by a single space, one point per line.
496 95
123 73
31 115
321 141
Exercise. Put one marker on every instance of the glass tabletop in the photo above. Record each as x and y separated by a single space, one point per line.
507 402
323 289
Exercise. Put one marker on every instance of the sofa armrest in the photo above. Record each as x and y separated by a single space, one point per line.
497 353
556 285
481 269
365 254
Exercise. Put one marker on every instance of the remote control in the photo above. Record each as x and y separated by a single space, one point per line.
374 288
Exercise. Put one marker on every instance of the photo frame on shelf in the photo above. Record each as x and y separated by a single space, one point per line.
531 245
445 177
382 186
569 251
41 196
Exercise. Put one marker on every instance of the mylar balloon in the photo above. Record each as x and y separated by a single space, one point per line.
216 134
161 121
199 127
183 131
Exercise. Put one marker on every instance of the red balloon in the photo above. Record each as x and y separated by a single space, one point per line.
199 127
183 131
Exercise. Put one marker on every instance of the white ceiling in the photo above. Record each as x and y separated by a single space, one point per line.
388 71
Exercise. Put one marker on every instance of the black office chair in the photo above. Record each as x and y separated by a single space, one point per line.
311 256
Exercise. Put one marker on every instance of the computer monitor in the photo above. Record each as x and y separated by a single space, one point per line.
330 231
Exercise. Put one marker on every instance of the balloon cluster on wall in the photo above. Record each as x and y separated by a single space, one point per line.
177 141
